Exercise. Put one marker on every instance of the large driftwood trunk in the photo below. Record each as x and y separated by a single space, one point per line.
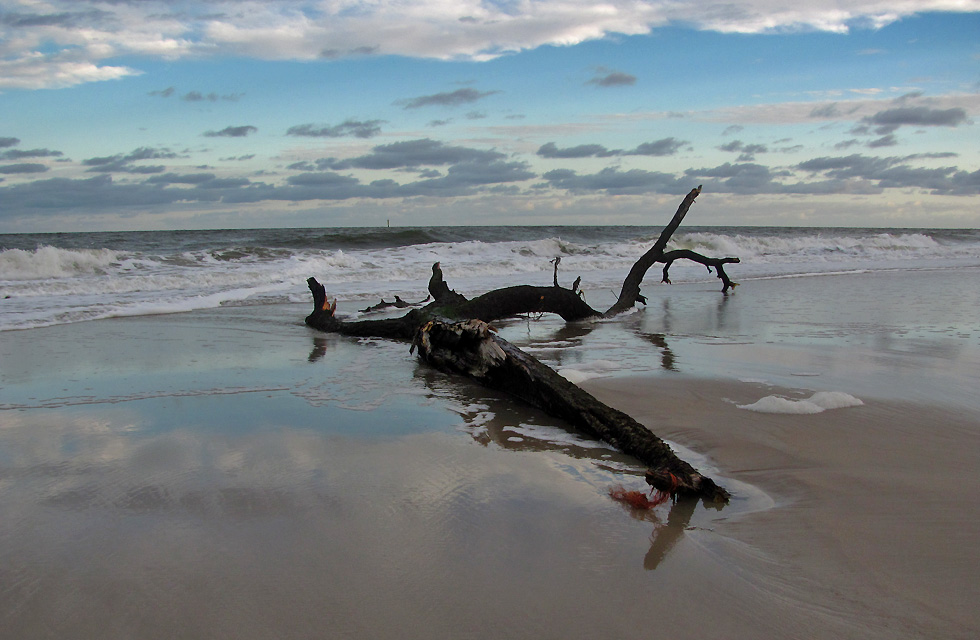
471 348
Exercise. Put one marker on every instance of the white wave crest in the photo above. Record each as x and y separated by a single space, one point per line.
821 246
51 262
51 285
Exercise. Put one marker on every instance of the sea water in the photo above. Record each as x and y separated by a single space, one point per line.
227 468
59 278
809 300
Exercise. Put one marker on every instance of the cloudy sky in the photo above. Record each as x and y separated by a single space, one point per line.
156 114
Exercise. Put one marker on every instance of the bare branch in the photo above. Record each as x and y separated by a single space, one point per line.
630 293
718 263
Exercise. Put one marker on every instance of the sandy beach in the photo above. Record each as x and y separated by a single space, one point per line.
231 473
873 528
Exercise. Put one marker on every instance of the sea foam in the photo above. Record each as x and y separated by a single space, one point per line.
817 403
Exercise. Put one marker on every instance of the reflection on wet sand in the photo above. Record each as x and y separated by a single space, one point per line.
249 487
345 494
320 345
491 417
666 535
668 361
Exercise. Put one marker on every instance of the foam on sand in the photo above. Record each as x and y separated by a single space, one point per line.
594 369
817 403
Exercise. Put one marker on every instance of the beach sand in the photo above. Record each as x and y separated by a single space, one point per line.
874 525
231 473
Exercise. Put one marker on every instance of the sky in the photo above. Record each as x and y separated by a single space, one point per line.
169 114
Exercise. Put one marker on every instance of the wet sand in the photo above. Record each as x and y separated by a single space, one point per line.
230 473
874 527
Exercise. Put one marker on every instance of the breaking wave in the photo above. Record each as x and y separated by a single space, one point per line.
57 278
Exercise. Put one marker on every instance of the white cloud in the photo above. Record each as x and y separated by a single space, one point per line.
441 29
38 71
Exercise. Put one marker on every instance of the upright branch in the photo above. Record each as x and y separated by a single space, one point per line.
439 290
324 318
556 262
630 293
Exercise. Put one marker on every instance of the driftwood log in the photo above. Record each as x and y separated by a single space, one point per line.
472 349
452 334
523 299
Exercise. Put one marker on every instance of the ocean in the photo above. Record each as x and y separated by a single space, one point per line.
58 278
181 456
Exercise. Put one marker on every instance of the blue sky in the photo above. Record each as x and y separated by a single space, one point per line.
170 114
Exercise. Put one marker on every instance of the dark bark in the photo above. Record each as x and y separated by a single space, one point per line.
630 293
397 304
471 348
323 318
440 291
718 263
513 301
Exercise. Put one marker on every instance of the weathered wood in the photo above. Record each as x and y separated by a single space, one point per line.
512 301
398 303
523 299
440 291
472 349
718 263
324 319
630 293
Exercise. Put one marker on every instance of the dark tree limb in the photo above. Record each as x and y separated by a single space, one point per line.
630 293
718 263
471 348
397 304
323 318
513 301
493 305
